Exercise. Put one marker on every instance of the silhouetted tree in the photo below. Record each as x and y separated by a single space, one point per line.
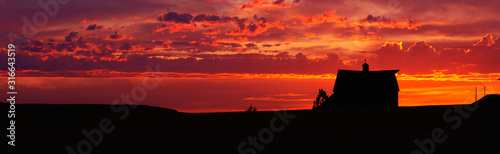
251 109
322 97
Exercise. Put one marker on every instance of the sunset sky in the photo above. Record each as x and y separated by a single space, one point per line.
225 55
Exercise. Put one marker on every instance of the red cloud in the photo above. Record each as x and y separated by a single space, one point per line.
211 31
418 58
213 44
176 27
115 37
497 45
275 99
290 94
392 46
327 17
85 21
255 28
267 4
421 47
233 40
365 37
486 41
310 35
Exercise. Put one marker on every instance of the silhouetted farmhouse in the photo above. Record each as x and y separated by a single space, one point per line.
365 88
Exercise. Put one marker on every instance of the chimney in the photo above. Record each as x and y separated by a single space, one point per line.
365 67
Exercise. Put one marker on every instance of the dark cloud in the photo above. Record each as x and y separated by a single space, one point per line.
35 46
370 18
176 17
93 27
116 37
65 46
125 46
234 45
279 1
253 28
70 36
83 53
204 17
212 18
212 31
250 45
50 45
386 22
206 21
188 18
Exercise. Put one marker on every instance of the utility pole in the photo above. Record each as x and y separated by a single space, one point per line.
475 96
484 91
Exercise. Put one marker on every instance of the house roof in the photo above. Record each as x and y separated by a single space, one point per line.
356 81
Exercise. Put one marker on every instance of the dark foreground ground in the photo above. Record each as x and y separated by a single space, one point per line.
51 128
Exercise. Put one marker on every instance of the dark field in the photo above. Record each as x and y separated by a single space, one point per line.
51 128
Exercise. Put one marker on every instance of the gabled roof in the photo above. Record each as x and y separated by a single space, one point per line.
376 81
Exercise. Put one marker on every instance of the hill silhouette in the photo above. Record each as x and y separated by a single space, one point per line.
43 128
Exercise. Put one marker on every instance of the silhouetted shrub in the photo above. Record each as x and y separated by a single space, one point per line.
251 109
322 97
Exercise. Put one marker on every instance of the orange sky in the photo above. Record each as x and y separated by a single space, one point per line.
214 94
278 52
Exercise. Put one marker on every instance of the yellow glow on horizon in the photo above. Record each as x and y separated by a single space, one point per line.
438 75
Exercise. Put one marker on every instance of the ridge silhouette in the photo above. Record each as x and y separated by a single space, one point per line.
48 128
